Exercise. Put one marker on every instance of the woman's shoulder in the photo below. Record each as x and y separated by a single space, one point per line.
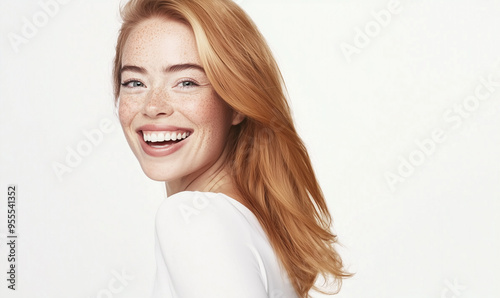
215 240
207 239
203 210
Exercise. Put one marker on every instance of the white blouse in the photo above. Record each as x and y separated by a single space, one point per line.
209 245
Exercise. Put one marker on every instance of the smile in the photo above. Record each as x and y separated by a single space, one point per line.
160 136
160 139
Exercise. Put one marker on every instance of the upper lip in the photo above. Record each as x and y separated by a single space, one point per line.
160 127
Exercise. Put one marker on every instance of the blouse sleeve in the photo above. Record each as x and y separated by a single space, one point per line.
207 248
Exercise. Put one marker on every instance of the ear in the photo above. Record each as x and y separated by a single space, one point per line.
237 118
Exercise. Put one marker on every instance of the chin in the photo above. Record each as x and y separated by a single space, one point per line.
156 177
154 172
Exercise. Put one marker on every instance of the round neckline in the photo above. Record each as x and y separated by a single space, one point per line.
232 200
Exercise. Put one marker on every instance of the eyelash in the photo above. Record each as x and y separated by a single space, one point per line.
126 83
187 81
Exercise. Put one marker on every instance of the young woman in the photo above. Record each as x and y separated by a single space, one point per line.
202 105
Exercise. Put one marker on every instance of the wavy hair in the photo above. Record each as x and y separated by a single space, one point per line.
268 161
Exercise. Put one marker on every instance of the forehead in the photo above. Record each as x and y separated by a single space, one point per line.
160 41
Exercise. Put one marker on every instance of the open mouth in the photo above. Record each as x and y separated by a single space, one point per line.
162 139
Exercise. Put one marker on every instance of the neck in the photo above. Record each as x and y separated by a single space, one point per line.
214 178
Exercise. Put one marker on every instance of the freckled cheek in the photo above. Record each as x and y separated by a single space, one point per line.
214 118
212 109
127 111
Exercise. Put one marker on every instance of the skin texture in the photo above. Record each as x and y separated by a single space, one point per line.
183 99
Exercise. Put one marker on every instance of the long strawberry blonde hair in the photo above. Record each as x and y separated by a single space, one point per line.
268 160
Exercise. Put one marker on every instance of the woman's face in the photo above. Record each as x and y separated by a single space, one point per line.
173 120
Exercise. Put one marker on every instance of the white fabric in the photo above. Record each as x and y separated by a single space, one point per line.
209 245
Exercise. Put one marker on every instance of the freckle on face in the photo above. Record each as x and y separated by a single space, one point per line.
154 45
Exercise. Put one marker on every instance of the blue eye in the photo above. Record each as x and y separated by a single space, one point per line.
133 84
187 84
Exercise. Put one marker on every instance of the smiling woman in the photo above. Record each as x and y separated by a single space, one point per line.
165 93
202 106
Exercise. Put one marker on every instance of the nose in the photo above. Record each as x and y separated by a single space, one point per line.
157 104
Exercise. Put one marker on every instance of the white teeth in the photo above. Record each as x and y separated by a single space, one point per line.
164 136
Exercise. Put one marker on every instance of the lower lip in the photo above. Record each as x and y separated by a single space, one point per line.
160 152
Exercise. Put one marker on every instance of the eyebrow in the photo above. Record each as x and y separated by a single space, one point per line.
171 68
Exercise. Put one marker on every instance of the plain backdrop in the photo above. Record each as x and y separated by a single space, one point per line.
387 104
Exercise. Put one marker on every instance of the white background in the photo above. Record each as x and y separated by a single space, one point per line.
434 233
